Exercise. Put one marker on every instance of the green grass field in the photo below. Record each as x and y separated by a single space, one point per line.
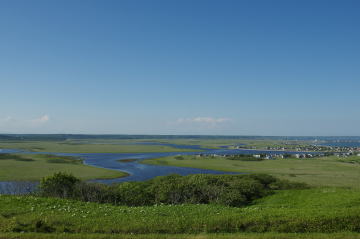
321 210
347 235
32 167
327 171
88 146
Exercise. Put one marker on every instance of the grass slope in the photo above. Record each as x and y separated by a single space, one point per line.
328 171
321 210
32 167
182 236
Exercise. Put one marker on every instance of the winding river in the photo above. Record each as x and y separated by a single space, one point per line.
136 170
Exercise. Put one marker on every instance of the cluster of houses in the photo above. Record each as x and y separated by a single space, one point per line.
343 149
300 156
307 155
312 148
212 155
347 154
287 155
313 151
282 156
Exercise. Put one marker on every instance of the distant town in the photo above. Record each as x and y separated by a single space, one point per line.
308 151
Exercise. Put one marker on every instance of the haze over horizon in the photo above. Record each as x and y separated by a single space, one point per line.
180 67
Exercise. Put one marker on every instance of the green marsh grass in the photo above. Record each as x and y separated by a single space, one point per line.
33 167
70 146
326 171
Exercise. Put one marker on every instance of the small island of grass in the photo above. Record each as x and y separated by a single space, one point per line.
33 167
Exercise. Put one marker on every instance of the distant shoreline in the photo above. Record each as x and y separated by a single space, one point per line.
277 150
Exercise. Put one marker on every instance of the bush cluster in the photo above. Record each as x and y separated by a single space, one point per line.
243 157
230 190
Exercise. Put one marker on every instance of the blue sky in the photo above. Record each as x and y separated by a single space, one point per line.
180 67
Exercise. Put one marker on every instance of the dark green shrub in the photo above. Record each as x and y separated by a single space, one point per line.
231 190
234 190
95 192
134 194
166 189
202 188
264 179
250 189
58 185
232 198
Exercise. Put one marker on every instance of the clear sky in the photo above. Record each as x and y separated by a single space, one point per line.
223 67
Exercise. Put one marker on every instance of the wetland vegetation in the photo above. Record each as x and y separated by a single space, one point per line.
32 167
282 198
88 146
324 171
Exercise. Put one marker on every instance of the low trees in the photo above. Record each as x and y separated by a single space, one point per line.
231 190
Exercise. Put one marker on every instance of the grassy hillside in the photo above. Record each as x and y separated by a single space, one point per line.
322 210
32 167
346 235
328 171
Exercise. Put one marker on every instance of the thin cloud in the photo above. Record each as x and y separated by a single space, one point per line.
43 119
7 119
209 121
7 122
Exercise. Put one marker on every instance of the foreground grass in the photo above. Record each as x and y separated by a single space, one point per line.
32 167
322 210
327 171
70 146
183 236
